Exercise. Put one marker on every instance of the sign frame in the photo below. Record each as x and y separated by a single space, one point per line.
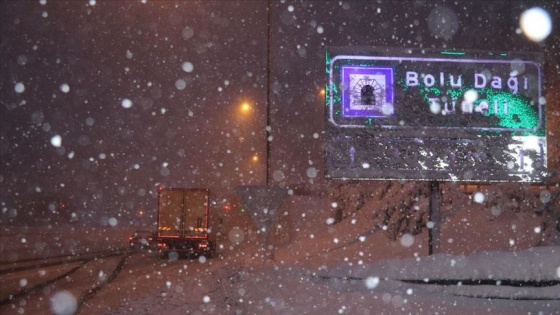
377 130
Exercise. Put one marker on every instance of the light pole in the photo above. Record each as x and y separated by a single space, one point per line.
268 127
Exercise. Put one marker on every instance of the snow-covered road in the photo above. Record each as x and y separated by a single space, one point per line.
231 288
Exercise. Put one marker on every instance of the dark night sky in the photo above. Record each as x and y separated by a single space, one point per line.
185 128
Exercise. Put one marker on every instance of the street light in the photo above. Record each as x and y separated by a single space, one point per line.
245 107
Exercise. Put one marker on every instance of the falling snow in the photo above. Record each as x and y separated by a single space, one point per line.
536 24
103 103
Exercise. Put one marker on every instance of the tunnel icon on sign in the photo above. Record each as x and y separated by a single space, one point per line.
369 93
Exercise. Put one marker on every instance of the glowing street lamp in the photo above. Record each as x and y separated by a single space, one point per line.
245 107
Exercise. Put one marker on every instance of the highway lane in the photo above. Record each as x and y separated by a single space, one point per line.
15 283
147 275
99 285
45 289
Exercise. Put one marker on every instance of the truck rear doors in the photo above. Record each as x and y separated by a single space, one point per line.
183 221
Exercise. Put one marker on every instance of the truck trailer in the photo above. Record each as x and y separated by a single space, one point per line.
182 223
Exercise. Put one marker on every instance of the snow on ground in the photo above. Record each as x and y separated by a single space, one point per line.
352 268
490 261
376 288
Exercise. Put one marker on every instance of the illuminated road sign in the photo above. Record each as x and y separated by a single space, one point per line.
466 116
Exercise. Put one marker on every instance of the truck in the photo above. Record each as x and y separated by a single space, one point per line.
182 223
